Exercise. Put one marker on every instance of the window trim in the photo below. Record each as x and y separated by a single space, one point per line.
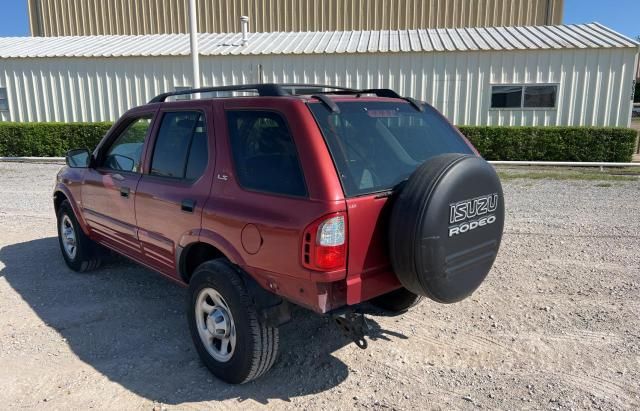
293 140
6 98
524 86
184 181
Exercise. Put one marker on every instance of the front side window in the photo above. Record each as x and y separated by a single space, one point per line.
181 146
264 153
125 154
377 145
524 96
4 101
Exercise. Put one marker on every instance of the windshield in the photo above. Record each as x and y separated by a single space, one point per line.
376 145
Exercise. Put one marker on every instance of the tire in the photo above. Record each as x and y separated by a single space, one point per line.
85 255
252 347
397 301
446 227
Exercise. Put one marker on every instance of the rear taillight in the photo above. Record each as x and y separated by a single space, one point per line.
324 245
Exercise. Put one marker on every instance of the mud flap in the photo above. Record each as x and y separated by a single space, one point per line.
273 310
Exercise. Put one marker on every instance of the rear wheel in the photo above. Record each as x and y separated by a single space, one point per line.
397 301
224 325
79 252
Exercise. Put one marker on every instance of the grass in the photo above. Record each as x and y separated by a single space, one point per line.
570 174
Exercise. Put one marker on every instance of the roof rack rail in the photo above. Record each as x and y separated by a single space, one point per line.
327 101
263 90
266 90
280 90
325 86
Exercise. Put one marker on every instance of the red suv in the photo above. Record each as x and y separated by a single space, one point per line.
319 196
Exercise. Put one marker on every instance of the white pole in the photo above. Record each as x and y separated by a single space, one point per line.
193 30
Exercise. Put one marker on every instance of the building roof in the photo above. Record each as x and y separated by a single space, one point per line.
574 36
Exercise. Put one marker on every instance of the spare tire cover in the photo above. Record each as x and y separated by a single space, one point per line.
446 226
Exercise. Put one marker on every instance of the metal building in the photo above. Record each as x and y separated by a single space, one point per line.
107 17
580 75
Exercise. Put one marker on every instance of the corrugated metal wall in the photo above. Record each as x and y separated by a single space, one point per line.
595 86
91 17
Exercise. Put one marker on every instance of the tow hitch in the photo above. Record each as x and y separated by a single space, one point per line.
354 326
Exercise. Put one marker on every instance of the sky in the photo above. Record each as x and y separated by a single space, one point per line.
620 15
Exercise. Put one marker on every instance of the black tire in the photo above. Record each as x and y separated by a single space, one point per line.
256 346
446 227
397 301
87 253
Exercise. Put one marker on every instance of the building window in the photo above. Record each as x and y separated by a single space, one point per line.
540 96
4 102
524 96
183 96
506 97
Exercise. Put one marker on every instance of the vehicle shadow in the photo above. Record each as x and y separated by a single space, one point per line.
128 323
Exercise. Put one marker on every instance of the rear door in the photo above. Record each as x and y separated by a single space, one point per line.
109 188
176 184
376 145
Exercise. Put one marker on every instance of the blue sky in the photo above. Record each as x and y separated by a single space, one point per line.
620 15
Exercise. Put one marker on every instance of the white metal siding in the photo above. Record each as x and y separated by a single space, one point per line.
595 85
572 36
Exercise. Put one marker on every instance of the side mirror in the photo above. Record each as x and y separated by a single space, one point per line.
78 158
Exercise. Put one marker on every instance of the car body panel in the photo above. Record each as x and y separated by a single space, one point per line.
277 221
109 195
69 184
262 233
110 216
161 221
369 268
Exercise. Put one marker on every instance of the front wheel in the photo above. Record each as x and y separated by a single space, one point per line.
224 325
79 251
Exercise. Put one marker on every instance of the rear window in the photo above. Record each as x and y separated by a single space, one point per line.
376 145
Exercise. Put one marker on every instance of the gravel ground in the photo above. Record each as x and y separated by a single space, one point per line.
555 326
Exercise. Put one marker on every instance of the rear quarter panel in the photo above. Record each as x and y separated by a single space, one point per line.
280 220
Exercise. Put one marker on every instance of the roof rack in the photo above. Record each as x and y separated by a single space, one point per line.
280 90
270 90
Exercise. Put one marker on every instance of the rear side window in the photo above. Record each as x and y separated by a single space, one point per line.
377 145
264 153
181 146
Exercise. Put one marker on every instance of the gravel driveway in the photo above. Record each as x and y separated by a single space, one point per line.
555 326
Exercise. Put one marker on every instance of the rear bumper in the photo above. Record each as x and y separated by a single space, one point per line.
366 286
323 295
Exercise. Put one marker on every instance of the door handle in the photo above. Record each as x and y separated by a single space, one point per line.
124 192
117 176
188 206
